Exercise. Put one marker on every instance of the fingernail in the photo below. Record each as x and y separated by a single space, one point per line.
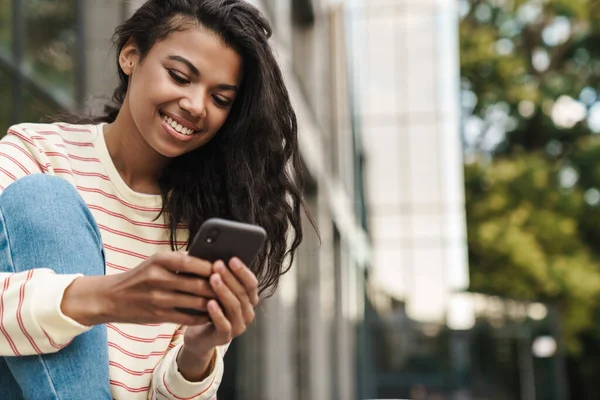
235 263
219 266
216 280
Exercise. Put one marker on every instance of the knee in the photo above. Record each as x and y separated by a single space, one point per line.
44 203
37 189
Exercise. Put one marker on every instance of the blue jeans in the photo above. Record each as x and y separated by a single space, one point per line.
45 223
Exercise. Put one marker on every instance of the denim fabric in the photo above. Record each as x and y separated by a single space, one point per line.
45 223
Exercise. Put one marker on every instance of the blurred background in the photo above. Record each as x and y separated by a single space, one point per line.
452 149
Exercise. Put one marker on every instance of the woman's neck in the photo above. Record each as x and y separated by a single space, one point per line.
138 164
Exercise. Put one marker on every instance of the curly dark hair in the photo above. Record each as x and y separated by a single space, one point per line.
251 170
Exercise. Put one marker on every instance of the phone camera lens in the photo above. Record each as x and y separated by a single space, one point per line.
212 236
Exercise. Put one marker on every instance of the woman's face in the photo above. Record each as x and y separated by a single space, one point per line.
180 95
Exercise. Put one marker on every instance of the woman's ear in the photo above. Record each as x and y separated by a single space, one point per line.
129 57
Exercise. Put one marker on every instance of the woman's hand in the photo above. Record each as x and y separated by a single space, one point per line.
150 293
236 290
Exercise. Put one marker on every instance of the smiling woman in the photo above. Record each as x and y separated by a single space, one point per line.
194 78
200 126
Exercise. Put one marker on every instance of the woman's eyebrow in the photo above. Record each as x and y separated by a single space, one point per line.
196 73
187 62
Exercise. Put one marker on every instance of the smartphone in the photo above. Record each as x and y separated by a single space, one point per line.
221 239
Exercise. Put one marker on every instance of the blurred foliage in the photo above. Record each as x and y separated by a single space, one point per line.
531 234
50 47
530 72
530 75
526 240
49 58
518 53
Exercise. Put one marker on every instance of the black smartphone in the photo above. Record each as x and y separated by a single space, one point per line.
221 239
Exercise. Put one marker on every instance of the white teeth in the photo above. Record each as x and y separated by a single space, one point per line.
178 127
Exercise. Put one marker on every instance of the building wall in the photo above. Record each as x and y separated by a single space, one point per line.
409 114
101 17
308 328
407 105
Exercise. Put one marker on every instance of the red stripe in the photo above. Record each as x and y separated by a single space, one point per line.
21 136
19 313
138 238
82 173
16 162
7 173
117 267
186 398
86 159
63 171
139 339
69 129
129 389
94 174
8 338
69 157
80 144
129 371
121 216
56 154
126 252
113 197
54 344
134 355
49 133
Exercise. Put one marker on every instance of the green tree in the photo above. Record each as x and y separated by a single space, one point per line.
530 72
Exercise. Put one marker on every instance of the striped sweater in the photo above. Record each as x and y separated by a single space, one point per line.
142 357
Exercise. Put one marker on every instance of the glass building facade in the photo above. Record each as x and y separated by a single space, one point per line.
407 90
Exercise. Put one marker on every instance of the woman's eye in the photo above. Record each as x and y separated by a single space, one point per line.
178 78
221 102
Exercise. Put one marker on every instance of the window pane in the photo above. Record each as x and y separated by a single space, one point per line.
5 26
51 43
5 103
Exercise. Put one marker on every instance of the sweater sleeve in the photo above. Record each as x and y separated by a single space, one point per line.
31 321
19 157
169 384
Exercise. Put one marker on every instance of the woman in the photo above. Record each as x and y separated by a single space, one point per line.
92 215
